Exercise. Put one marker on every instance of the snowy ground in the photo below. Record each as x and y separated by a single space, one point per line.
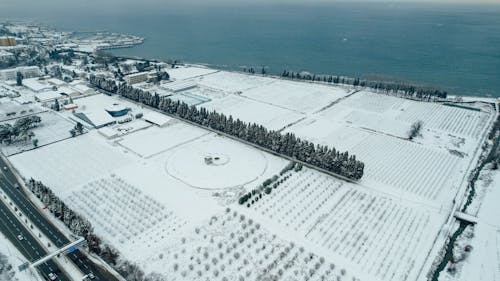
10 256
349 223
52 128
152 141
483 261
247 110
65 165
164 190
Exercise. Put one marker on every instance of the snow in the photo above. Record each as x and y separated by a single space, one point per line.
216 163
158 194
7 106
67 164
14 258
155 140
482 264
350 222
182 73
247 110
296 96
36 85
233 82
157 118
52 128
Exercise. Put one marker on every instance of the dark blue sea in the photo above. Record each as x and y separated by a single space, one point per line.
449 46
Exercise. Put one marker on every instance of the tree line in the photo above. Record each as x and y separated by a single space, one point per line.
400 89
287 144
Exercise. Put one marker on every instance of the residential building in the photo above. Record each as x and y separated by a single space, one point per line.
26 71
7 41
136 78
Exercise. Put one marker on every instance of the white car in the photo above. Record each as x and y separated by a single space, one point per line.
52 276
20 237
91 275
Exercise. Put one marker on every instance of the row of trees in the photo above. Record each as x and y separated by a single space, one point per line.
20 130
82 227
103 84
401 89
286 144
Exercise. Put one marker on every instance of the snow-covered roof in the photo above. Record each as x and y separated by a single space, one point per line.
48 96
82 89
55 81
36 85
156 118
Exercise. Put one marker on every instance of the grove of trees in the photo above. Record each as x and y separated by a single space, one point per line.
20 130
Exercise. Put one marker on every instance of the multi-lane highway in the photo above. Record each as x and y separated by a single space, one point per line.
12 188
26 243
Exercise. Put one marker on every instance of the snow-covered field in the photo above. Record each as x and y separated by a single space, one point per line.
152 141
159 194
296 96
212 163
67 164
383 236
375 127
185 73
232 246
247 110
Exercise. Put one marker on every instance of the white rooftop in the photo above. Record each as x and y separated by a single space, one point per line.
156 118
36 85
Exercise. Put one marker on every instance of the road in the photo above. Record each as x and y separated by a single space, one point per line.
29 247
7 182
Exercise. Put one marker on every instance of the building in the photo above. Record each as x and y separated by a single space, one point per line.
158 119
26 71
136 78
7 41
5 56
70 106
117 110
36 85
48 96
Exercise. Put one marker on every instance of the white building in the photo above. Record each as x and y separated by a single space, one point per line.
136 78
36 85
48 96
160 120
26 71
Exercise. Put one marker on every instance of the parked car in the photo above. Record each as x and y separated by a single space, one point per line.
52 276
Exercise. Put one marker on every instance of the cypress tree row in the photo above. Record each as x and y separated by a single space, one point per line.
287 144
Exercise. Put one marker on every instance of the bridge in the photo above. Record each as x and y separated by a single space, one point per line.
66 249
465 217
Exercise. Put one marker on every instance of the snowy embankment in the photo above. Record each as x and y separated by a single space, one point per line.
10 258
477 251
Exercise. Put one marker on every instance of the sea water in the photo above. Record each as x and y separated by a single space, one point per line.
449 46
